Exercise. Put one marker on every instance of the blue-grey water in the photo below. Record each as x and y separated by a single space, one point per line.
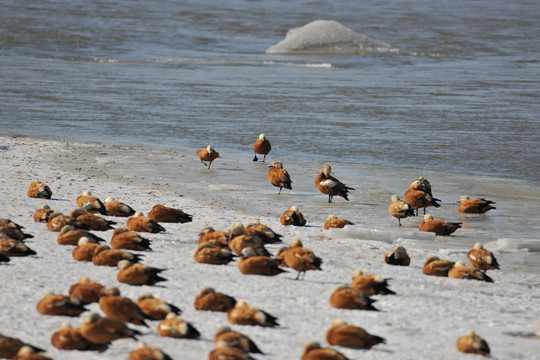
460 93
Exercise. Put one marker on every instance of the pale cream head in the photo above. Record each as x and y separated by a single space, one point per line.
111 290
123 264
145 296
296 242
326 170
395 198
478 246
338 322
428 217
463 198
357 273
206 229
83 240
65 326
249 252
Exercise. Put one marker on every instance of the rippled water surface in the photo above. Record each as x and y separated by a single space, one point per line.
459 92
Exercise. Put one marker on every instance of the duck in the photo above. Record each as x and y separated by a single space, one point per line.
117 208
475 205
437 267
42 214
301 259
208 233
244 314
102 330
207 253
207 154
155 308
262 232
162 213
145 352
121 308
224 350
397 256
138 274
236 339
70 235
105 256
438 226
400 209
90 203
252 264
40 190
343 297
279 177
28 353
12 231
123 238
329 185
175 327
343 334
461 271
240 242
86 290
84 251
210 300
10 222
139 222
425 185
472 344
12 247
70 338
9 346
92 221
417 197
261 146
334 222
292 216
370 284
482 259
58 304
58 220
314 351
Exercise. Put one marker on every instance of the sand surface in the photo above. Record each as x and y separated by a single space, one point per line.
423 320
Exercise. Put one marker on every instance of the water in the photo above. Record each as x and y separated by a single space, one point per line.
459 93
456 98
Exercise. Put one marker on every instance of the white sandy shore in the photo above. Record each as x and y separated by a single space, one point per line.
422 321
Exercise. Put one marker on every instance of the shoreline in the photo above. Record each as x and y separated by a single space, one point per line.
422 321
